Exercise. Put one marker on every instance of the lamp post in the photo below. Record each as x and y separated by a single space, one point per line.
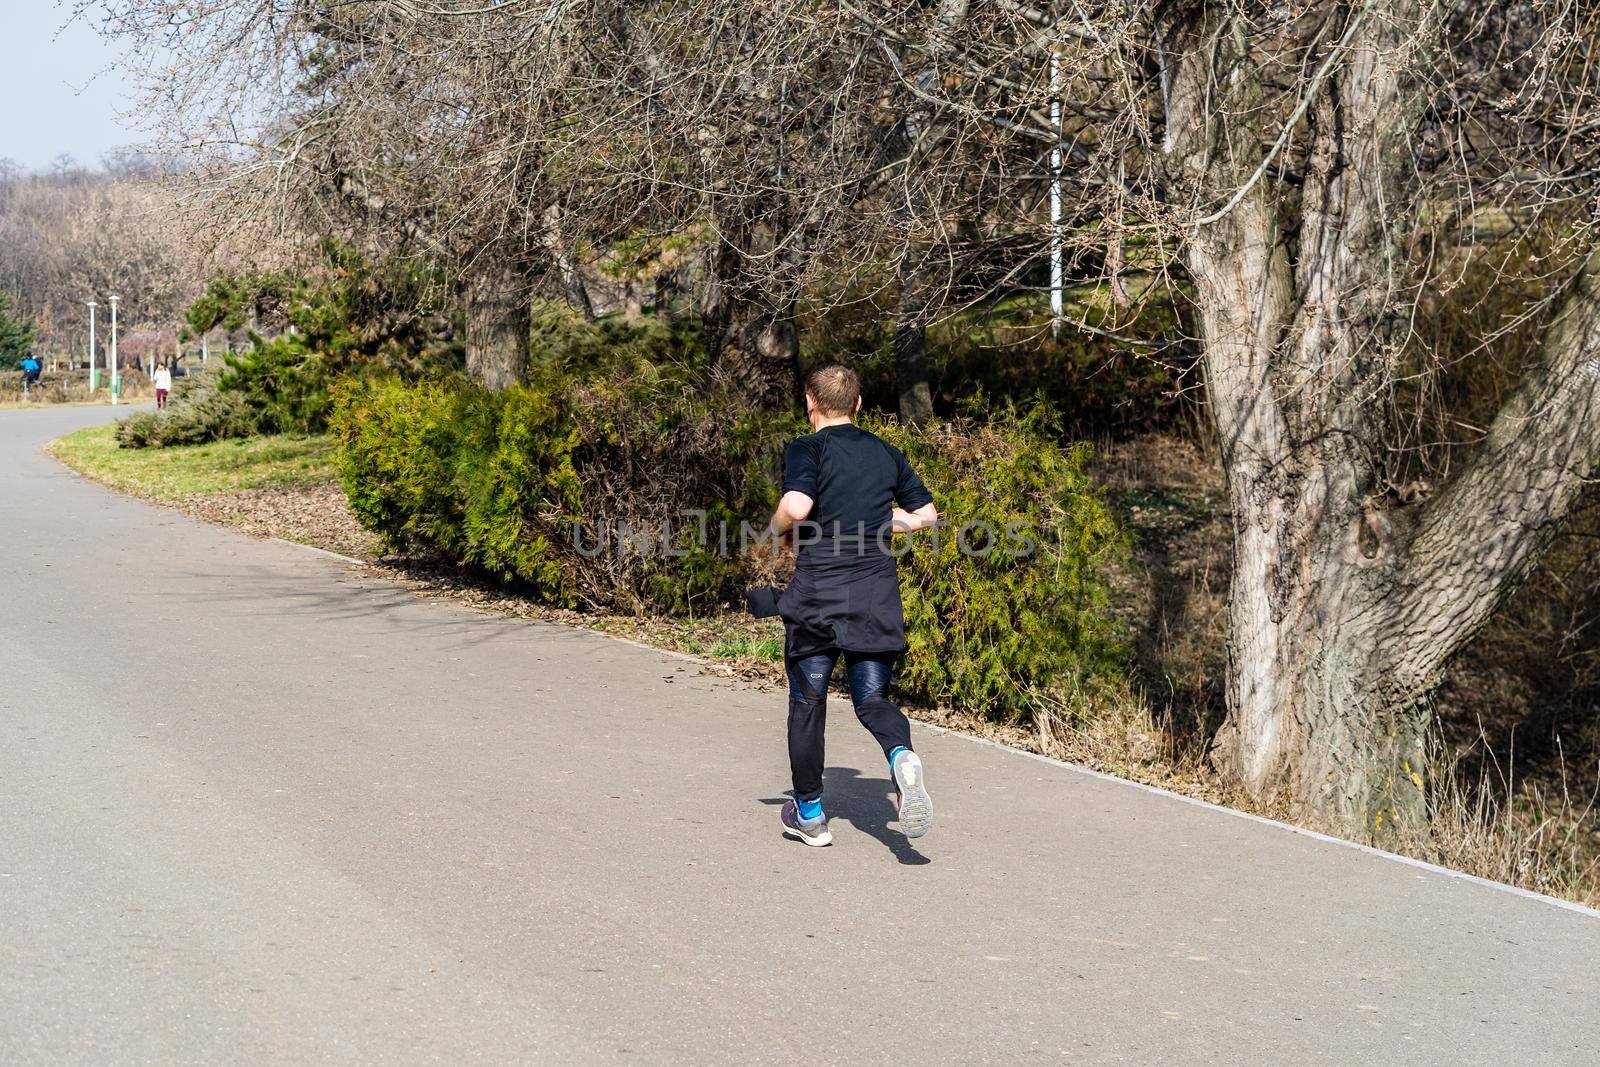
116 371
94 375
1056 307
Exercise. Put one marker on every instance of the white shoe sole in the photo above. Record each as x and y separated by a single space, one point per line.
916 807
824 838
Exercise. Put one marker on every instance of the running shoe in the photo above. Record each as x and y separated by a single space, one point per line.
812 832
916 809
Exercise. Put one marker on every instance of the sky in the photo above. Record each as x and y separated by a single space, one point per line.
60 90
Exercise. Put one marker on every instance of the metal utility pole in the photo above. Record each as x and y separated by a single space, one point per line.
116 367
1055 196
94 375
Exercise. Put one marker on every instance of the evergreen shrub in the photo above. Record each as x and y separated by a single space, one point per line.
349 316
284 381
1009 597
550 488
197 412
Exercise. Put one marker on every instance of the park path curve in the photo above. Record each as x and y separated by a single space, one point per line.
260 807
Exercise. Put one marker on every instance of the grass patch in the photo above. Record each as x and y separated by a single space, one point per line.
215 467
738 646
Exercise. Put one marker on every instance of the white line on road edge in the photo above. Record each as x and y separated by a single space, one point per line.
322 552
1090 772
1301 830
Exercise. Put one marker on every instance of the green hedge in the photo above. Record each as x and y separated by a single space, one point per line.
990 628
515 483
485 478
496 482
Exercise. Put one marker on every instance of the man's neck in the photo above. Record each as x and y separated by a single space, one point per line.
823 422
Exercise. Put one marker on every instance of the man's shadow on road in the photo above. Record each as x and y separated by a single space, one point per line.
868 805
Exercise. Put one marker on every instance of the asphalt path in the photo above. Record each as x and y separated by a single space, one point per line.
256 806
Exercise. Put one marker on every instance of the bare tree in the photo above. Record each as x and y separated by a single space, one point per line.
1348 602
71 236
514 141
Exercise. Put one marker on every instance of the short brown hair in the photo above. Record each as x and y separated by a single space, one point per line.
835 389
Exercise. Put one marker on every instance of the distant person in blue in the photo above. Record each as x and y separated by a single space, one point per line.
30 372
845 494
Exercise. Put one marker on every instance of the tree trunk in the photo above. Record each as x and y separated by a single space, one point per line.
1318 713
762 357
712 301
754 347
1320 716
498 325
632 301
922 132
556 244
911 348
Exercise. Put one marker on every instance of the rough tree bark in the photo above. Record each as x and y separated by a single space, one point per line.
498 323
1346 605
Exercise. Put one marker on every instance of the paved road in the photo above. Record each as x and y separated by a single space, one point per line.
254 806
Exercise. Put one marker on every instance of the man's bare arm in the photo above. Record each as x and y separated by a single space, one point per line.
910 521
793 508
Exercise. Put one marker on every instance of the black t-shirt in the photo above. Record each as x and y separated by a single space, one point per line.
856 479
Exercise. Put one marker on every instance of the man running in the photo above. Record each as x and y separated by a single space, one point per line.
31 368
845 492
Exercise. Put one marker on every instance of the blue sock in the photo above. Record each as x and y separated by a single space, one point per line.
810 810
894 753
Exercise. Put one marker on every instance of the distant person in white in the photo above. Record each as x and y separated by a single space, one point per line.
162 380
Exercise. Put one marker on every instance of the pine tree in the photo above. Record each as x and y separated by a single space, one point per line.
17 334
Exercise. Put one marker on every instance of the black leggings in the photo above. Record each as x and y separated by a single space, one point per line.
869 674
